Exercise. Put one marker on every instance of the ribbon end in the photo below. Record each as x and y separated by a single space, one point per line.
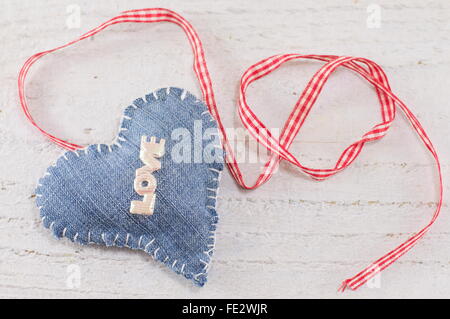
344 286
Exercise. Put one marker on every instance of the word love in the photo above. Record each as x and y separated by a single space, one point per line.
145 183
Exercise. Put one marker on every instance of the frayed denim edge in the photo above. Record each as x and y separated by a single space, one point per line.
200 278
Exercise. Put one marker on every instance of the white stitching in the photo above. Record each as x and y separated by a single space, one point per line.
148 244
197 275
204 263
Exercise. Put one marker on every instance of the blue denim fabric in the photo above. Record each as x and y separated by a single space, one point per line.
86 195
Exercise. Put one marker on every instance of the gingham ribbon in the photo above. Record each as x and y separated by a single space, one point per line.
279 147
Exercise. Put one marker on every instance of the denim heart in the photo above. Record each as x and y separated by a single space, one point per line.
86 195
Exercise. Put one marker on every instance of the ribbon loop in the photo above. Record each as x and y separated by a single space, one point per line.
297 117
278 146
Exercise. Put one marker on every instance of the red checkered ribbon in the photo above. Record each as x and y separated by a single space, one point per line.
278 146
